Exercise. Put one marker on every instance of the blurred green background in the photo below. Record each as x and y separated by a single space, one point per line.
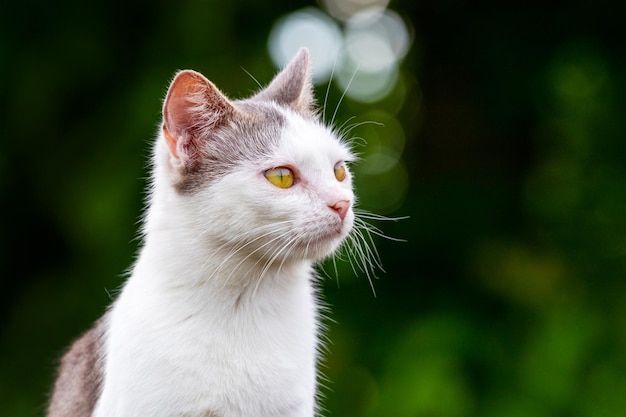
499 131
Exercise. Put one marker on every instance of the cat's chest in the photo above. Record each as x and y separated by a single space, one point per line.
204 356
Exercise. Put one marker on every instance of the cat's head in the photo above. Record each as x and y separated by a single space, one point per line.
260 177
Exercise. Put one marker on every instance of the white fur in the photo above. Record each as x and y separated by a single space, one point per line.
220 314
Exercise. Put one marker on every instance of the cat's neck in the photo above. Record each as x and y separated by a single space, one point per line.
199 262
177 291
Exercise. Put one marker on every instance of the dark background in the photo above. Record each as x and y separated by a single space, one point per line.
508 298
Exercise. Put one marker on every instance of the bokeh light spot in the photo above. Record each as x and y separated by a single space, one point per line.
345 9
309 28
366 86
385 25
364 56
369 50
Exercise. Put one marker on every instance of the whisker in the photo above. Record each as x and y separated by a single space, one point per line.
274 239
353 126
350 254
340 129
360 215
363 261
370 248
272 259
357 141
330 80
238 248
359 249
367 251
321 269
252 76
345 91
373 216
336 271
376 231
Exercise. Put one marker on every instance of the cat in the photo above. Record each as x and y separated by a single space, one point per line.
220 314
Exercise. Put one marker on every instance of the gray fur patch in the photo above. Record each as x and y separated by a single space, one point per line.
79 379
254 131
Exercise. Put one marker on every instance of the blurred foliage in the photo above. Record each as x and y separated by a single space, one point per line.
509 298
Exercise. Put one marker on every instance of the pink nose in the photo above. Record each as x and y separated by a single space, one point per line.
341 207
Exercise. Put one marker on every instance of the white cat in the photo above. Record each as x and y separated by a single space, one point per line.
219 316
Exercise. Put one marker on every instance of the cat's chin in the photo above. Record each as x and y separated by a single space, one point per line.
326 244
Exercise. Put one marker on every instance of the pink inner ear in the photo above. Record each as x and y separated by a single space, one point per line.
193 105
177 118
171 142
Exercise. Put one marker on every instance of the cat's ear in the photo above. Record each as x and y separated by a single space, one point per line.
193 108
293 87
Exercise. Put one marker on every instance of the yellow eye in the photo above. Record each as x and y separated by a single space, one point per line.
280 177
340 171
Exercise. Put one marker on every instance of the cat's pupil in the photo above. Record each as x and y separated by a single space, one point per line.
281 177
